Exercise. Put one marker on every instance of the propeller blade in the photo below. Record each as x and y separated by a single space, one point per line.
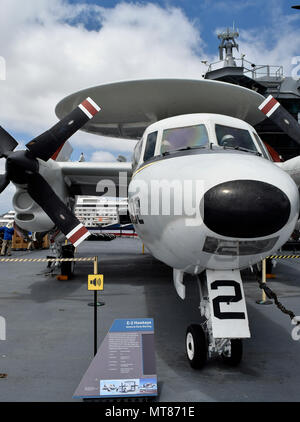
279 115
7 142
60 214
4 182
46 145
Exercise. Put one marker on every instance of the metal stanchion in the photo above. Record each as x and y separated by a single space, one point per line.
95 305
264 300
95 309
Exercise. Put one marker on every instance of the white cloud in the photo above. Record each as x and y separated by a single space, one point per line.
103 156
47 58
87 140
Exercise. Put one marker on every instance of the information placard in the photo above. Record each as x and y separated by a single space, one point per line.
124 365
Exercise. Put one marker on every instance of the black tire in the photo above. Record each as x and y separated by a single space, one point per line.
236 354
196 346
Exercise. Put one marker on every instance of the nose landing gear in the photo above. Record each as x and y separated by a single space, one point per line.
201 341
196 346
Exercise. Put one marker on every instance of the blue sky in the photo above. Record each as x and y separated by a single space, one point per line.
211 14
53 48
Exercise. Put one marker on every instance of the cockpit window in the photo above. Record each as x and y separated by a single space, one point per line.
137 154
150 146
234 137
184 138
262 146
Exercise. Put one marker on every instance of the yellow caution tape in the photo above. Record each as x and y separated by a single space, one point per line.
282 256
48 259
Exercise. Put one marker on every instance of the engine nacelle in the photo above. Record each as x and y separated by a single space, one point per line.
29 215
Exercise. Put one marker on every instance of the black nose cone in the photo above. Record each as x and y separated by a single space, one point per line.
246 208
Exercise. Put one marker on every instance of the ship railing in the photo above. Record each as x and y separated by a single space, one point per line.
256 71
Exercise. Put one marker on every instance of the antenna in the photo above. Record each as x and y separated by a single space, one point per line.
228 43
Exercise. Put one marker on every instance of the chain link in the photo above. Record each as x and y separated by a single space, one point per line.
272 295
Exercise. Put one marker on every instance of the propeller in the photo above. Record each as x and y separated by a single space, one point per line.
281 117
22 167
7 144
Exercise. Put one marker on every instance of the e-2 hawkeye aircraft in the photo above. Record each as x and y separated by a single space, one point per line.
203 191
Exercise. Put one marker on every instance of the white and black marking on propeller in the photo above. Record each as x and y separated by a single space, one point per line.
269 106
78 235
89 107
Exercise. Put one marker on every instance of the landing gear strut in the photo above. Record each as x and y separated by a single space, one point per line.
201 345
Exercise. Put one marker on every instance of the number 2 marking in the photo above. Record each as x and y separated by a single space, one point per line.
227 299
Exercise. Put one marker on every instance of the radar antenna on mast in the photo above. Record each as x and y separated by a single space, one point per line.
228 43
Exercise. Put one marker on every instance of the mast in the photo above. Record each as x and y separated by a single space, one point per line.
228 43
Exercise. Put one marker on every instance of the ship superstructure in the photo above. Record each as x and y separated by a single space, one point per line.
265 79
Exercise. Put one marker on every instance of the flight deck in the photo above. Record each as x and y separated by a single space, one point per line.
49 328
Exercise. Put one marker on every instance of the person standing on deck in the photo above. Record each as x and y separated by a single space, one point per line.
7 238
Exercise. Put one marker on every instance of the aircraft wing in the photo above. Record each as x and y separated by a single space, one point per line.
292 167
96 178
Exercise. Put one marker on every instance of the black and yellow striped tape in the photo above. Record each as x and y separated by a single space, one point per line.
48 259
282 256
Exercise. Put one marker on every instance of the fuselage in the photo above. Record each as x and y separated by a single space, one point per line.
205 194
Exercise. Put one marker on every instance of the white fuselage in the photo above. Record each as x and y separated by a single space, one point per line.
169 193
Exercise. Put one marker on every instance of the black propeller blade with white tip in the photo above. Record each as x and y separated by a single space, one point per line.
22 167
280 116
45 145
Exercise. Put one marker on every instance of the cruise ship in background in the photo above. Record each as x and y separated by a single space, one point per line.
7 218
96 213
109 215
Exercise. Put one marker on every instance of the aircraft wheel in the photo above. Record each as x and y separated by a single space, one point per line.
196 346
234 356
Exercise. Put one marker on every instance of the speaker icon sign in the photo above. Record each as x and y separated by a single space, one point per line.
95 282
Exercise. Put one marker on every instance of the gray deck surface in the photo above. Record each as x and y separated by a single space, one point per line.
49 342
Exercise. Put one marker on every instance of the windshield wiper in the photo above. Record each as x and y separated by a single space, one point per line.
183 149
244 149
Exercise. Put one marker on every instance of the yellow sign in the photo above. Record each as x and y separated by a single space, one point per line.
95 282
